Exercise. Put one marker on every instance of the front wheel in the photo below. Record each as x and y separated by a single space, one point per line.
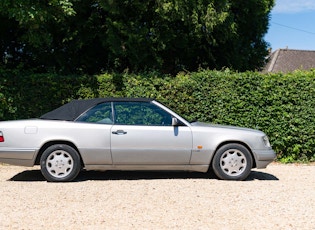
60 163
232 162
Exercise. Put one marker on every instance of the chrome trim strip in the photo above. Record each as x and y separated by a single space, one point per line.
194 168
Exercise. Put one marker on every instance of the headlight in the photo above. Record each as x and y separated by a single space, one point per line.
266 141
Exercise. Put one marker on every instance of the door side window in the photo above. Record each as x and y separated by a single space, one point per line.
101 113
141 113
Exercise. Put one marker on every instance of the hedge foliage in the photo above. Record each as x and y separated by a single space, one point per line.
282 105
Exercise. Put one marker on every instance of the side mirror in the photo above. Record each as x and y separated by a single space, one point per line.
174 121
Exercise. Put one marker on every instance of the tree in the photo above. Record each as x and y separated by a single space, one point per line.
90 36
25 28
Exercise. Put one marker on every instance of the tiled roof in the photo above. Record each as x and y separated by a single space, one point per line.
287 60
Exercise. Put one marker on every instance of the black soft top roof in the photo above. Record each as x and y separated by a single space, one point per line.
73 109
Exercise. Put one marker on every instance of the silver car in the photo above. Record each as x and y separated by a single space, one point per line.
129 134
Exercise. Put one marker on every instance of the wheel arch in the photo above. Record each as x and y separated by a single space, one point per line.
235 142
55 142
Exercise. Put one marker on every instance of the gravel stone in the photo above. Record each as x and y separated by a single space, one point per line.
278 197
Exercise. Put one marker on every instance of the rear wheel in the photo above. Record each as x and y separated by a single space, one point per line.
232 162
60 163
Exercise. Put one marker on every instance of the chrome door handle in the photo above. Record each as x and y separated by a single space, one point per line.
119 132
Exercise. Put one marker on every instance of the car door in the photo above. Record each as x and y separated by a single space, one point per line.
143 134
95 129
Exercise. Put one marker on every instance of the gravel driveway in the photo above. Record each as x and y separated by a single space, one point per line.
279 197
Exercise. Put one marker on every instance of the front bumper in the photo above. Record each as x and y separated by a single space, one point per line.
264 157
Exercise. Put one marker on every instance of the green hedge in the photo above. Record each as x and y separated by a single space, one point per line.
282 105
27 95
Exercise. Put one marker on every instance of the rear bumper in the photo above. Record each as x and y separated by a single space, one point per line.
264 157
22 157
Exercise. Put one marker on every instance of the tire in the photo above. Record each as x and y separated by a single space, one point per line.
60 163
232 162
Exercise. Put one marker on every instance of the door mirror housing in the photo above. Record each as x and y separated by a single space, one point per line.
175 121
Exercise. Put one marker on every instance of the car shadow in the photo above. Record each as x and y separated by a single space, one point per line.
256 175
35 175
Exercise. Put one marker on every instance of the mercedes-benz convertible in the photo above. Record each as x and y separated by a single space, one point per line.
129 134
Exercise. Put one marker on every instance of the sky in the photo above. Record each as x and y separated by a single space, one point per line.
292 25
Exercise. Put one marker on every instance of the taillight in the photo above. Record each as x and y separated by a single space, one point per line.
1 137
